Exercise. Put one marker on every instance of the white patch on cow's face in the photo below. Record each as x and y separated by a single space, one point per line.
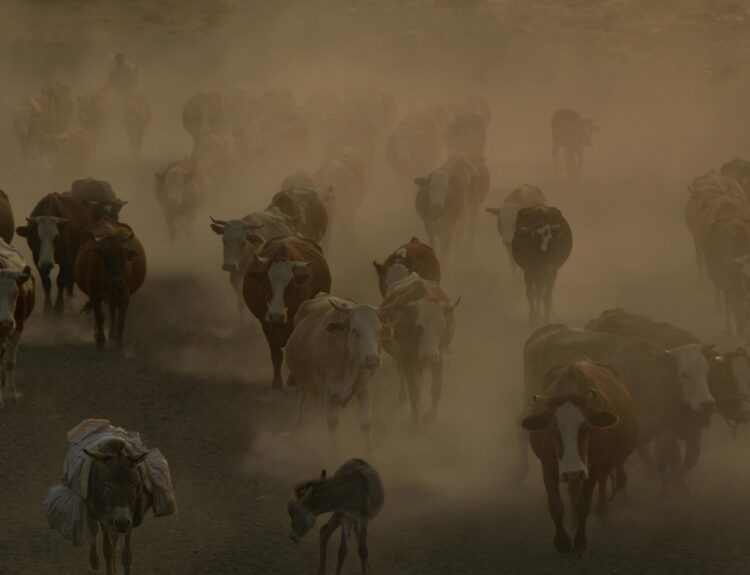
431 323
280 274
235 243
363 336
439 187
395 273
8 300
569 420
47 229
545 233
506 221
692 367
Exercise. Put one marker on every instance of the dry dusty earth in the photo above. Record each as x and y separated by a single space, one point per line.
667 82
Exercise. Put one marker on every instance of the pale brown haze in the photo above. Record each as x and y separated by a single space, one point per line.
561 157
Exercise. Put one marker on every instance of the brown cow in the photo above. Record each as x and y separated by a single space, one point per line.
110 268
584 427
304 207
53 232
7 222
412 257
286 272
17 297
100 195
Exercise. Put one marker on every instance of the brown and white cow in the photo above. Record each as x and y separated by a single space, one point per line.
243 238
583 427
180 190
304 206
17 296
54 231
541 245
100 196
423 321
332 353
573 133
110 268
411 257
286 272
524 196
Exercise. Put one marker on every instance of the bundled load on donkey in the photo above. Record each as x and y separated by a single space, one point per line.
110 479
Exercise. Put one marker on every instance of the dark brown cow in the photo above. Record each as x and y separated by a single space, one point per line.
110 268
412 257
583 427
306 210
573 133
101 196
17 296
53 232
286 272
7 222
541 245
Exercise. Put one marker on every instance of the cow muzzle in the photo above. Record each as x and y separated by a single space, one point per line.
276 317
574 476
45 265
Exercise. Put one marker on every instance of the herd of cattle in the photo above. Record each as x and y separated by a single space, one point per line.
623 384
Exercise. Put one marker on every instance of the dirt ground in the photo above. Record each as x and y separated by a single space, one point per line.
668 84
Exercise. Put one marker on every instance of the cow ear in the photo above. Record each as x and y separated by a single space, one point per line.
493 211
23 231
602 419
379 268
219 230
336 327
536 422
421 182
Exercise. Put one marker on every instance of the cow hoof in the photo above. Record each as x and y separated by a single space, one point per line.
429 417
562 542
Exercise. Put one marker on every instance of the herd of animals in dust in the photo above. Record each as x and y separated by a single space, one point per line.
593 396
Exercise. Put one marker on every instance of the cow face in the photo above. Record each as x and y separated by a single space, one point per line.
431 321
364 333
122 485
281 276
172 186
732 387
692 368
115 255
42 233
238 239
438 186
569 423
506 220
10 285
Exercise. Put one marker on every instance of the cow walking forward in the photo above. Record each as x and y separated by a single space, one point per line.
286 272
541 245
422 318
583 427
573 133
305 208
180 190
54 232
412 257
17 296
110 268
332 352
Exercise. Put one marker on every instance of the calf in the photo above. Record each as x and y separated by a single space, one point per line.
286 272
583 427
541 245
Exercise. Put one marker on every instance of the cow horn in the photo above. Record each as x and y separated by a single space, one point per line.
339 307
218 222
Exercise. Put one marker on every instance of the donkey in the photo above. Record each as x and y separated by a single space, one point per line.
117 501
355 496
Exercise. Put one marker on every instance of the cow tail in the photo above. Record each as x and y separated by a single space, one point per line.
87 308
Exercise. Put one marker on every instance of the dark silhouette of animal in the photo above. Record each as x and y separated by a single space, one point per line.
204 114
110 268
467 134
354 495
572 133
286 272
583 427
54 231
541 245
423 321
100 196
524 196
7 222
410 257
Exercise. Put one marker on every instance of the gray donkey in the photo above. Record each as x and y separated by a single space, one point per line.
355 496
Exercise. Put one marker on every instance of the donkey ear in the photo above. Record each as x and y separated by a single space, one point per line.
103 458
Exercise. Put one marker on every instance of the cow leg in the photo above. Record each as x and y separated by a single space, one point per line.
530 281
699 257
582 513
602 510
437 390
47 286
692 455
555 505
277 357
548 286
62 279
236 279
96 305
93 555
365 414
9 353
325 534
364 553
109 553
70 279
346 530
413 385
127 554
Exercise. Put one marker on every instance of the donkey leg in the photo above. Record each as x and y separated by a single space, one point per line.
362 546
346 529
325 534
127 554
93 555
